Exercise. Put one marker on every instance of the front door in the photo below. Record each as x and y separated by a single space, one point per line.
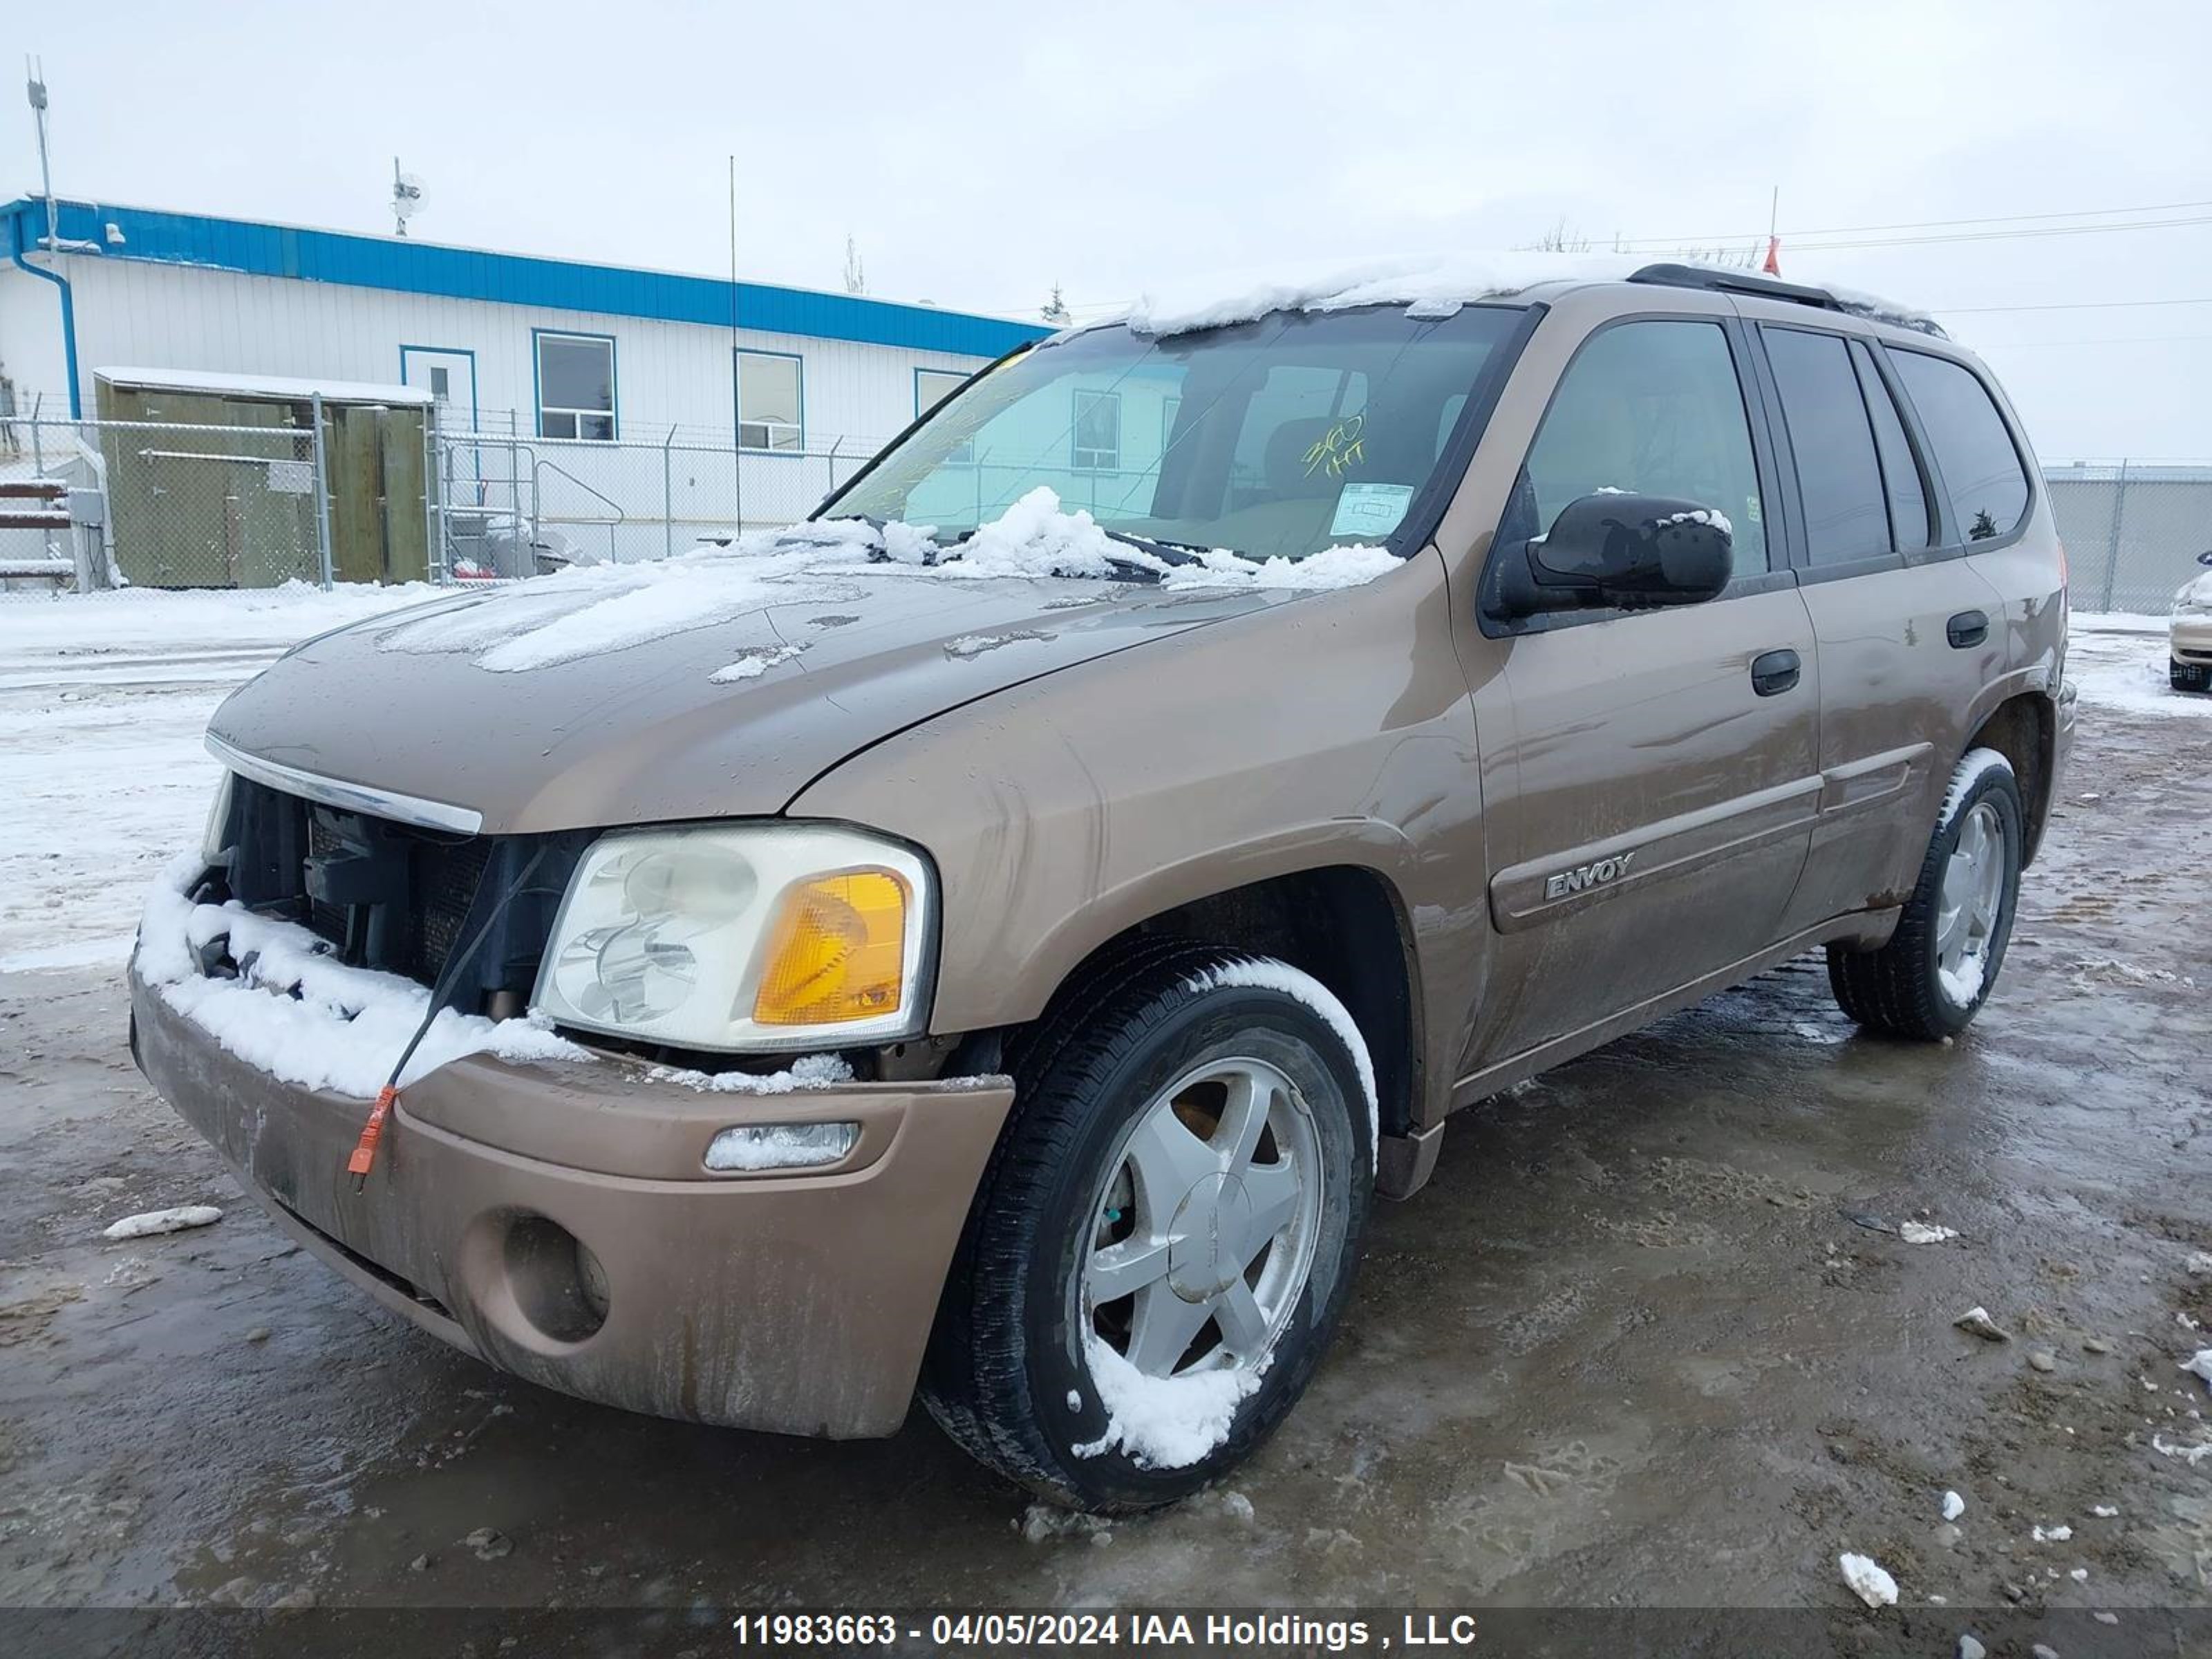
450 377
1661 766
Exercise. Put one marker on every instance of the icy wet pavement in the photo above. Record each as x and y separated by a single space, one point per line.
1646 1340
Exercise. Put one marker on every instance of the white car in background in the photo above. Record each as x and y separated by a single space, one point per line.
2191 632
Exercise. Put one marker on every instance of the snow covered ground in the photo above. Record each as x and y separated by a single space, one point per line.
103 701
103 778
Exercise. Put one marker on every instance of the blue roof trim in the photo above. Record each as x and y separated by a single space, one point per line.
409 267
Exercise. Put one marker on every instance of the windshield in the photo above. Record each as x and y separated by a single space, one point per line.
1274 438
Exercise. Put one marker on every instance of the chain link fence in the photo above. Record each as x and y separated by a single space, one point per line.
2132 531
505 505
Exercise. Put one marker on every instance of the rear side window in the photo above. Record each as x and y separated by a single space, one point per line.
1973 450
1910 524
1839 476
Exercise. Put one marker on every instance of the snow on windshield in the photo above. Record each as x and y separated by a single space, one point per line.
587 611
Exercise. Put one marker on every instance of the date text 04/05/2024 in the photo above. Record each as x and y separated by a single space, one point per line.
1228 1631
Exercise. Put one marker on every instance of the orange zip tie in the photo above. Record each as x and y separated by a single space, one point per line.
364 1151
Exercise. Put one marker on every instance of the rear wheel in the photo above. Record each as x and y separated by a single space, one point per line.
1158 1253
1940 965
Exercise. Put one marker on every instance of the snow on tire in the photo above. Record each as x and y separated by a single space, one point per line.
1939 967
1159 1250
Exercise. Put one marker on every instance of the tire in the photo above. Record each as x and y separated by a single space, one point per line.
1905 988
1014 1365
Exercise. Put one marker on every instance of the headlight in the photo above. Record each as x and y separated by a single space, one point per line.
745 937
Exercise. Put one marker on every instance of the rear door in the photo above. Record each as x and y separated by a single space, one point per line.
1907 631
1660 794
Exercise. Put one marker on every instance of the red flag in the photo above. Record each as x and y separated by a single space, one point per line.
1773 256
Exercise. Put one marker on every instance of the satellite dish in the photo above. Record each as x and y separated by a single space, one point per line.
406 196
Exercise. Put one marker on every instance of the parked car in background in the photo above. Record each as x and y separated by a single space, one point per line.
2190 633
969 946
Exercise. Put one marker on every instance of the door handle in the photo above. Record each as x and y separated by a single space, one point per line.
1773 672
1967 630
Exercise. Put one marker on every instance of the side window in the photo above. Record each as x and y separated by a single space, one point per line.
1839 479
1909 526
1981 470
1654 409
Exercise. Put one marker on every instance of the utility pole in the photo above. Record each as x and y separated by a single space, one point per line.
34 74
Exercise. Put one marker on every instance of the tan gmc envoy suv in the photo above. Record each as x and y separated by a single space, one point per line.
969 945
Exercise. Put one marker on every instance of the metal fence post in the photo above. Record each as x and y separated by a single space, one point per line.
2119 516
667 495
434 541
322 495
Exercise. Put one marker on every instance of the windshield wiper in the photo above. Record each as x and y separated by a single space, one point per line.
1173 552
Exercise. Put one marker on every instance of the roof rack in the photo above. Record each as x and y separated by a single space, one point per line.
1773 287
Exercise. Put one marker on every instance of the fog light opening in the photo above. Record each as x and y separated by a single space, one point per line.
558 1285
780 1146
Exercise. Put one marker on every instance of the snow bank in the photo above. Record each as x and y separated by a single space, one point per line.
182 1218
1163 1422
297 1014
86 624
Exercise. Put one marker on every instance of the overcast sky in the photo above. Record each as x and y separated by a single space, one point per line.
980 153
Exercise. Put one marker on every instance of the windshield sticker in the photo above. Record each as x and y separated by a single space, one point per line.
1370 511
1340 449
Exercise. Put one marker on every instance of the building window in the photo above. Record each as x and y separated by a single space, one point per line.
771 402
575 385
1097 432
932 386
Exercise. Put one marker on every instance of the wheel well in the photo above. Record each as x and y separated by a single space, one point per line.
2021 729
1343 926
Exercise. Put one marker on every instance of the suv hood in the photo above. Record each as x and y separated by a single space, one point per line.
690 690
2195 592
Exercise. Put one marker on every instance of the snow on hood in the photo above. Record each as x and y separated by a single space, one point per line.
587 611
1433 285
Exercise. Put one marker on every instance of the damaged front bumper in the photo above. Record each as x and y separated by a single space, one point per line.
556 1219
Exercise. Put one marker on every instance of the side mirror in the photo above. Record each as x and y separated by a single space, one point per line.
2205 557
1618 550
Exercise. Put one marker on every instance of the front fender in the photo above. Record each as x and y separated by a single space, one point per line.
1333 731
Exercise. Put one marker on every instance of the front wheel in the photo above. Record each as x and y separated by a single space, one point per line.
1158 1253
1939 967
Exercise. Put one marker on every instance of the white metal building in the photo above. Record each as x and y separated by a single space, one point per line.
548 348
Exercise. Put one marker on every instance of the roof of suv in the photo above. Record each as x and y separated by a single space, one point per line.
1437 286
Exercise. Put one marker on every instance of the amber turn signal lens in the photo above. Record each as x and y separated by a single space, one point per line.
837 951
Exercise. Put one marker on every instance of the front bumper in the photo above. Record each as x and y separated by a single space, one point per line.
2189 639
796 1302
